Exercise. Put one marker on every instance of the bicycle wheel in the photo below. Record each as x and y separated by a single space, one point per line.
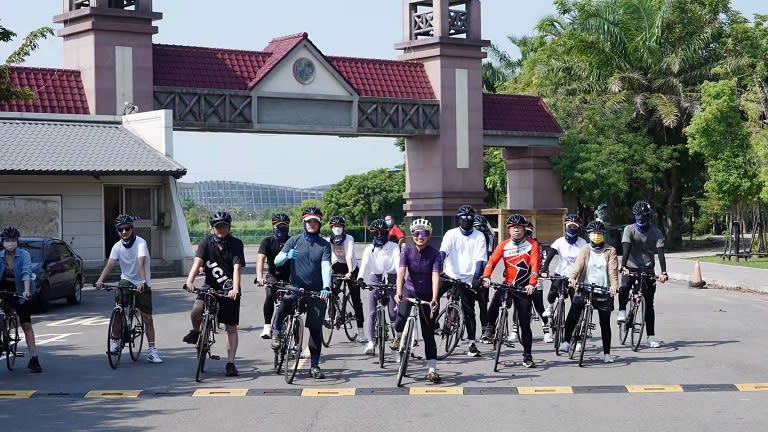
135 333
280 353
576 335
11 340
624 327
202 347
587 316
501 336
406 345
639 325
350 319
293 353
115 328
381 333
450 321
558 324
329 323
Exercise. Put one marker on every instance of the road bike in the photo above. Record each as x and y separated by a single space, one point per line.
450 320
209 325
291 339
340 313
381 327
408 337
635 321
9 329
126 324
584 325
557 318
501 332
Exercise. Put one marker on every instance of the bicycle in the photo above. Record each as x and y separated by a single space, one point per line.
557 318
408 337
126 324
209 325
9 329
450 320
635 321
381 328
585 324
278 296
501 332
290 348
341 313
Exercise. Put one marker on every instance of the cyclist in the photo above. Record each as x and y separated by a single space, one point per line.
538 296
379 265
221 256
521 268
132 253
396 235
601 212
16 276
464 255
639 243
268 250
597 264
481 224
343 262
422 262
311 270
566 248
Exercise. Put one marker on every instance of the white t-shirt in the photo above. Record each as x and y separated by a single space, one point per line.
380 260
461 253
340 252
566 253
597 269
129 260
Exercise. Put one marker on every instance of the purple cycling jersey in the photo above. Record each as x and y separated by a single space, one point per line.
420 266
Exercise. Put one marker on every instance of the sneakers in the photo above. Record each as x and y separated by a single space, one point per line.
608 358
191 337
362 340
652 342
316 373
231 369
277 340
547 312
565 346
473 351
395 345
487 336
578 346
621 316
433 377
512 338
267 332
114 345
34 365
153 356
528 361
548 337
370 349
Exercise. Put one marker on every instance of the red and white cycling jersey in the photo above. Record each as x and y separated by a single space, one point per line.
522 262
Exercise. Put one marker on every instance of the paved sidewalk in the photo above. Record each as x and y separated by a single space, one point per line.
680 267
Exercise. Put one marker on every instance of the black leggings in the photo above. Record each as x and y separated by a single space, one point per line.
538 304
269 301
427 324
554 289
523 307
354 291
482 300
605 324
468 299
649 292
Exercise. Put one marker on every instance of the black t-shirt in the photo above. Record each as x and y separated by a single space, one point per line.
219 264
270 248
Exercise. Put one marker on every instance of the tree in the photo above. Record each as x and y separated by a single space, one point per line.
8 91
363 197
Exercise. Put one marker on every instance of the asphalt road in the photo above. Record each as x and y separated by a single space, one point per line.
713 341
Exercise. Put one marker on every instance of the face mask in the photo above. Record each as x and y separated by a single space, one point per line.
337 230
280 233
388 222
641 222
10 246
465 223
596 238
380 239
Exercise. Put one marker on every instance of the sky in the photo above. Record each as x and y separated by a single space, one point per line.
351 28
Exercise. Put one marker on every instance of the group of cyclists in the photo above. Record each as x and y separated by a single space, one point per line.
418 271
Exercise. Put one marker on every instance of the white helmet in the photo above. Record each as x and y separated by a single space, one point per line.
421 224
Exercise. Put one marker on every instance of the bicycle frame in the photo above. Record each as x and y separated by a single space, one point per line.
128 318
9 330
635 321
585 324
291 346
408 337
381 329
501 332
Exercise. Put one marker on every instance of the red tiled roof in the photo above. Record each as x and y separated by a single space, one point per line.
385 78
278 48
58 91
518 113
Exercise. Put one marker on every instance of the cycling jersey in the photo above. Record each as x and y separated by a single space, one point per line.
270 247
305 268
219 263
380 260
521 262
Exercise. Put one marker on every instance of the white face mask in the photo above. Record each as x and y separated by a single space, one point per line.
337 230
10 246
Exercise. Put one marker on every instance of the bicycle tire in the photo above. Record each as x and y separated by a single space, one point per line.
405 351
638 327
329 323
293 352
587 317
558 326
280 353
135 331
381 333
626 325
501 330
11 341
451 328
575 336
202 348
115 321
349 319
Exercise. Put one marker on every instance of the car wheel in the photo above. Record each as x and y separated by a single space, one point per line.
77 295
43 298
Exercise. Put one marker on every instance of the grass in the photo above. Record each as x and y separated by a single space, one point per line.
755 262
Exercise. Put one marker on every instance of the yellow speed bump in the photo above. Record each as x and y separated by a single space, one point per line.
752 387
16 394
544 390
319 392
113 394
655 388
436 391
219 392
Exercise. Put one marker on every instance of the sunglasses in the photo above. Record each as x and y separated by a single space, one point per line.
466 217
420 233
125 229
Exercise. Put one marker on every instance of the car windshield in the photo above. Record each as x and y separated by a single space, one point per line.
35 249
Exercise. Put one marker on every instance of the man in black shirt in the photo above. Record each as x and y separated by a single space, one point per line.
268 250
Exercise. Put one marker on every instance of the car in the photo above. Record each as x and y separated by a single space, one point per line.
58 271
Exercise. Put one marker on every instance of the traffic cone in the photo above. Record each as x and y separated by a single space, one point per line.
695 280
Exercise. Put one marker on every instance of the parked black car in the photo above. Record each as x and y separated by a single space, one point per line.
58 270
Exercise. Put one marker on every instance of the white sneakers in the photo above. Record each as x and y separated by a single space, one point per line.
548 337
362 339
153 356
608 358
565 346
652 342
621 316
370 349
547 311
267 332
114 345
512 338
578 346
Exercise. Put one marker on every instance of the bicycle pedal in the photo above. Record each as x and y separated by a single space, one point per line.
19 354
215 357
592 326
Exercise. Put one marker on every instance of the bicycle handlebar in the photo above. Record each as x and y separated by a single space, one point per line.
593 288
300 291
110 287
376 286
499 286
207 290
643 275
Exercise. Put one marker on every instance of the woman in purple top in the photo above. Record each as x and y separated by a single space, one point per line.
423 263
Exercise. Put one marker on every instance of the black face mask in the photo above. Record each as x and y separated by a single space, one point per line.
129 242
466 225
280 233
221 241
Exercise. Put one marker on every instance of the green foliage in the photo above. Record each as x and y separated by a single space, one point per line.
495 175
8 91
367 196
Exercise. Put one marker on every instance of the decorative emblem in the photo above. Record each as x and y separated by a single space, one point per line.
304 70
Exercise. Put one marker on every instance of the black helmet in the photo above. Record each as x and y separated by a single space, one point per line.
337 221
642 208
312 212
466 210
123 219
572 218
517 219
596 226
10 232
378 225
220 216
480 221
280 218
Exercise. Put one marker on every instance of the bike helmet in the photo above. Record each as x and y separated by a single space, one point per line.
123 219
642 208
517 219
466 210
421 224
337 221
10 232
596 226
601 211
312 212
480 221
219 217
280 218
572 218
378 225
